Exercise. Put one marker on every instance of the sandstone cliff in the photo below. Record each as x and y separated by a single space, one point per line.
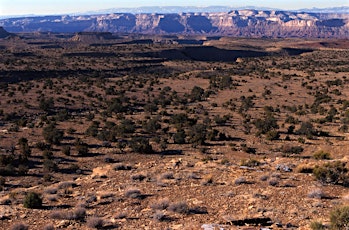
249 23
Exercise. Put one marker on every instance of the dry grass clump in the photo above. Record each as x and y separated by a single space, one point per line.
66 184
305 168
49 227
120 215
240 180
159 215
76 214
274 181
121 166
133 193
51 190
95 222
161 204
138 177
179 207
167 176
316 193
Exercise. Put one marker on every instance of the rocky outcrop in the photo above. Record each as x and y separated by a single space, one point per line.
247 23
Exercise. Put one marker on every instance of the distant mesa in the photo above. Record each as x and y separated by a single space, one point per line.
4 33
234 23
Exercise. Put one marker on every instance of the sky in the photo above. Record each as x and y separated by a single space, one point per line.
47 7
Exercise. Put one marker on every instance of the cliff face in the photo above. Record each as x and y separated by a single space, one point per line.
250 23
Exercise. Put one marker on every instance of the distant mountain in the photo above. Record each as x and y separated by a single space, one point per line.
241 23
334 10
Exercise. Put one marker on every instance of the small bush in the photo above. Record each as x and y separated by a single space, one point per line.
19 226
250 163
138 177
331 173
49 227
133 193
339 218
321 155
240 180
76 214
121 166
160 204
95 222
273 182
159 215
179 207
32 200
317 194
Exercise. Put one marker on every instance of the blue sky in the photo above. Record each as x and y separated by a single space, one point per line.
18 7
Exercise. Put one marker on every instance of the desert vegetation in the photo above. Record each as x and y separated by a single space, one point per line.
130 135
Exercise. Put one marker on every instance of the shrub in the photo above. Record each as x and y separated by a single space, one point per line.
138 177
179 137
32 200
133 193
159 215
331 173
66 150
19 226
273 182
95 222
321 155
316 225
49 227
288 150
317 194
160 204
81 147
76 214
240 180
179 207
250 162
339 218
141 145
52 135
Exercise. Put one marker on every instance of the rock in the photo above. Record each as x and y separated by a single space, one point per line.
283 167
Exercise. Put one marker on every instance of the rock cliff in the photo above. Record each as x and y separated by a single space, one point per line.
247 23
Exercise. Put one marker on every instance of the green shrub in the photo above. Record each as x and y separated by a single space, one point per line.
321 155
339 218
32 200
141 145
331 173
